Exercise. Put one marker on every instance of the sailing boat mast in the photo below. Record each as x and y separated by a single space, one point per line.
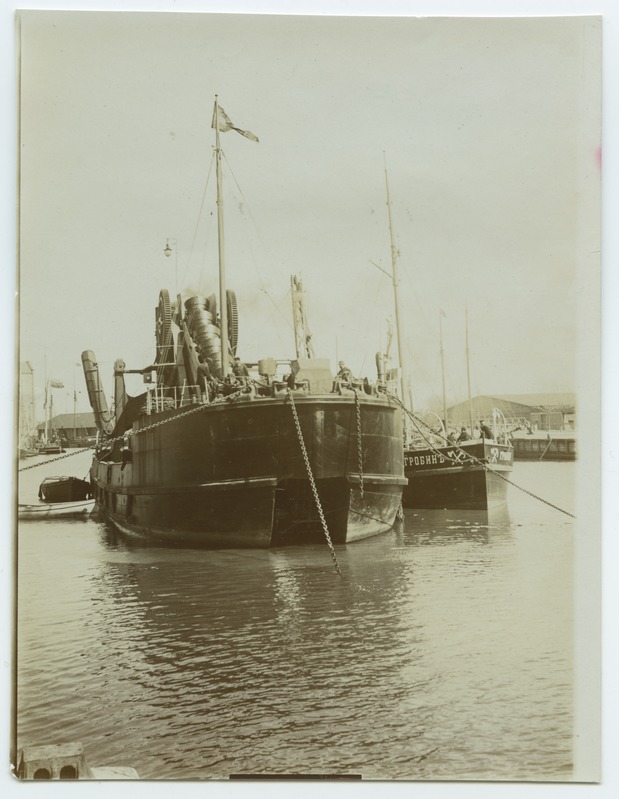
223 307
440 327
45 407
468 369
46 396
394 280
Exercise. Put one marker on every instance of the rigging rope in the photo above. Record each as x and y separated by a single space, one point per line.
195 233
263 287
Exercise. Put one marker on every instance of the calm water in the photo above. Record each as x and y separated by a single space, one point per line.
444 653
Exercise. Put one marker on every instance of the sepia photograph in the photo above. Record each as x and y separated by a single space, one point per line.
308 429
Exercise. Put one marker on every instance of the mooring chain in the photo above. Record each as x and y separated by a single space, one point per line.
308 468
201 407
400 512
52 460
488 468
128 433
526 491
359 444
154 425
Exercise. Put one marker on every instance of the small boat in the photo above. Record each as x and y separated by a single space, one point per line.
27 452
64 489
60 497
55 510
51 449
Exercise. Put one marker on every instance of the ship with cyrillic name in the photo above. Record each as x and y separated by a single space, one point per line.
471 474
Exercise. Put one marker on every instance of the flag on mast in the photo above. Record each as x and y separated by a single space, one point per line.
55 383
223 123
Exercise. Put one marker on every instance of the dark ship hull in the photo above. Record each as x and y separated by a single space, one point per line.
216 455
233 474
445 478
64 489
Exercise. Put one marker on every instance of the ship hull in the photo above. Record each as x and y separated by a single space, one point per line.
444 478
233 475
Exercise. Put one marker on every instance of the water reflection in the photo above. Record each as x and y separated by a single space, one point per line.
423 527
225 645
423 662
419 527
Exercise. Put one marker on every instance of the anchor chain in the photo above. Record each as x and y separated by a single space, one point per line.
154 425
359 444
128 433
52 460
308 468
218 401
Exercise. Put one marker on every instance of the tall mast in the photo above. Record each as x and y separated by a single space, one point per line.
223 306
440 327
46 396
468 369
46 407
394 280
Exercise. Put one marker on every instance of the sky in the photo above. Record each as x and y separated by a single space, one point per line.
488 176
490 130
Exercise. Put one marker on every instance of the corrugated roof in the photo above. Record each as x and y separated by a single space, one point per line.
517 403
564 399
482 405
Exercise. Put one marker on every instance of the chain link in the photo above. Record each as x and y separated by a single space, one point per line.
359 444
308 468
52 460
474 459
201 407
128 433
154 425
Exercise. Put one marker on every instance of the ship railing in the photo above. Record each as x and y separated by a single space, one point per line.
163 398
